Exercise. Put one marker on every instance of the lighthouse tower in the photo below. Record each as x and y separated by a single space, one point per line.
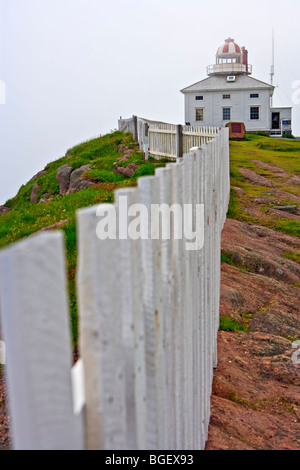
231 95
230 60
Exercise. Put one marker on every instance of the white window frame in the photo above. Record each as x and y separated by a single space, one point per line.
254 97
196 110
259 113
199 98
226 96
223 109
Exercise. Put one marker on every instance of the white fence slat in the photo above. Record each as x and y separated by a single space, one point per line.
160 364
36 327
189 323
149 194
132 318
178 254
167 278
201 308
101 335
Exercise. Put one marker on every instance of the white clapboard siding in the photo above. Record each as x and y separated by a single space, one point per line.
35 321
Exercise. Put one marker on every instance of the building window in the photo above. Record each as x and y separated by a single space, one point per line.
254 95
226 97
199 114
226 114
254 113
199 98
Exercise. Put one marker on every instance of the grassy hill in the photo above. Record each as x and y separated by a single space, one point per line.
255 400
277 161
26 218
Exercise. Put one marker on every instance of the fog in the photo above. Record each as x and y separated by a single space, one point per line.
71 68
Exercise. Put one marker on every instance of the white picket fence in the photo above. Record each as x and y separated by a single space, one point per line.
148 316
164 140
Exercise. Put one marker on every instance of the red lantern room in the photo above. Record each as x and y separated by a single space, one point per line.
231 59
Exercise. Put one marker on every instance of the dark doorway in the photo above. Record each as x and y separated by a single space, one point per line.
275 121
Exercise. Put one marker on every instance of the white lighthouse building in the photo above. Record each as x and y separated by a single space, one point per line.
230 94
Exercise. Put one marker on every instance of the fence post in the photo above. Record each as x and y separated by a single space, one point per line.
179 141
146 143
135 129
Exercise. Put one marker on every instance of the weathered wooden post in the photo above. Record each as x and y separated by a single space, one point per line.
135 129
179 141
146 142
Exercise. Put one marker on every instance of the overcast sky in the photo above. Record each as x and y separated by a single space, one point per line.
71 68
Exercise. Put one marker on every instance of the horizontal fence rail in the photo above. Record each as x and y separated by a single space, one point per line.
164 140
148 315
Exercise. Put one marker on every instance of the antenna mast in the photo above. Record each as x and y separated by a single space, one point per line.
273 63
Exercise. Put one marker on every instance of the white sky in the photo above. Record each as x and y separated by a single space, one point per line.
73 67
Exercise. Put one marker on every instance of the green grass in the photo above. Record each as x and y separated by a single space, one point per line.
26 218
292 256
225 258
228 324
101 153
278 152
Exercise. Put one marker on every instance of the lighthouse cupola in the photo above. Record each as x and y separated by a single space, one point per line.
231 59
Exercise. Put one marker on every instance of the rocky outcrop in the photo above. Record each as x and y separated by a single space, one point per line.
255 403
77 181
71 181
4 210
63 176
80 184
56 226
274 169
125 170
255 178
34 193
38 174
290 208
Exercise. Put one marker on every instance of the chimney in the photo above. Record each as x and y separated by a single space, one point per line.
245 57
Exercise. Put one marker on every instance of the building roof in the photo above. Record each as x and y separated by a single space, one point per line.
219 83
229 47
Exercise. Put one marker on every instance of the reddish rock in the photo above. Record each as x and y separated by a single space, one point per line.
63 177
35 190
38 174
56 226
125 170
255 178
79 184
274 169
294 180
4 210
239 191
77 174
256 395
